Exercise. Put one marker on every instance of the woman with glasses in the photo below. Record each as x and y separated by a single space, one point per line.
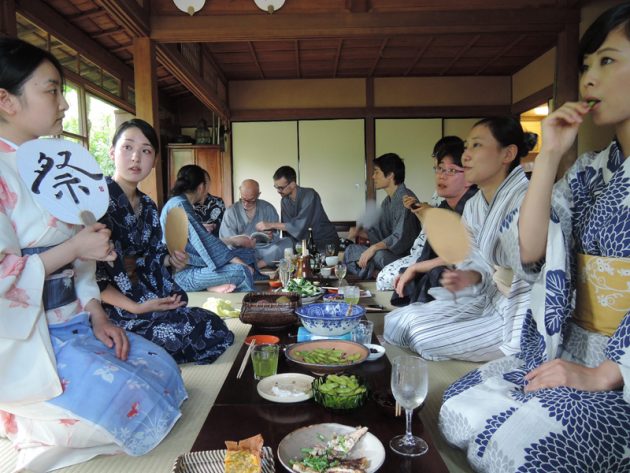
212 266
479 309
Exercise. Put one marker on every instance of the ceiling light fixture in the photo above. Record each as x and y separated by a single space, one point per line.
189 6
269 5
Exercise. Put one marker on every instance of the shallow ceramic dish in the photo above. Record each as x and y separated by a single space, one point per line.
286 387
330 318
346 346
290 447
260 339
376 351
336 400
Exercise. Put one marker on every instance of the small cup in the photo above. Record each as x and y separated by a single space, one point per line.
265 360
325 272
362 333
351 294
332 260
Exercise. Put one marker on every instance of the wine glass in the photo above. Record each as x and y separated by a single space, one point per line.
340 271
410 380
284 272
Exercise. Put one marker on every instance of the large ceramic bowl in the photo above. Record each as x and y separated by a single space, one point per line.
330 318
355 353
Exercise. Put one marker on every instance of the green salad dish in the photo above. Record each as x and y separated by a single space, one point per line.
340 391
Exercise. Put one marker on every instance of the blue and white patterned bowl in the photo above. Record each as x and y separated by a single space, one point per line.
329 318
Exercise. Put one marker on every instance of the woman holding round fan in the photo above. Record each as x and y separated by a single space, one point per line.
477 315
74 385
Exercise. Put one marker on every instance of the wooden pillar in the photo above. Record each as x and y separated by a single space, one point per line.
566 85
8 24
145 84
370 138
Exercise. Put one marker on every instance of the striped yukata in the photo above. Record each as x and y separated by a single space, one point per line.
477 323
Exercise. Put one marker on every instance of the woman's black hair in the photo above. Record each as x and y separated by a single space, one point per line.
18 61
188 179
595 35
508 131
147 130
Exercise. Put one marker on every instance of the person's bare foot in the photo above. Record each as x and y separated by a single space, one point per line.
224 288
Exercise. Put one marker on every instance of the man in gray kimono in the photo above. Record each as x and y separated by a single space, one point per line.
393 234
300 209
239 222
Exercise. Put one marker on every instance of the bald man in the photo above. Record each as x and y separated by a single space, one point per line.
240 221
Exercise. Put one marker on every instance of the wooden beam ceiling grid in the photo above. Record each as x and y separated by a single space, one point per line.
419 56
337 57
252 52
461 53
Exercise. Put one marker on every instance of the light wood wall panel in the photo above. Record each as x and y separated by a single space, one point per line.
332 161
534 77
412 140
459 126
259 148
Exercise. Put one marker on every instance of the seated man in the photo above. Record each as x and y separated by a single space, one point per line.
300 209
394 233
240 220
417 277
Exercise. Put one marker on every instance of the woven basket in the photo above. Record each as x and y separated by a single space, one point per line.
270 315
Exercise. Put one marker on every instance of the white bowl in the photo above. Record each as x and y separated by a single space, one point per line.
325 272
332 260
376 351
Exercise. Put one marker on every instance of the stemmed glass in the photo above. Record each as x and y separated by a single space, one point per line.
284 272
410 380
340 272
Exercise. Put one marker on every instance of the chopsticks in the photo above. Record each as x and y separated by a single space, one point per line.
245 359
397 410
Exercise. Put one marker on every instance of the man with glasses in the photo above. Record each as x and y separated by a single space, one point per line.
239 223
300 209
394 232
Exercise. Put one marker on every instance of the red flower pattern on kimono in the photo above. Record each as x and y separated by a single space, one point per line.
17 296
8 199
134 410
68 422
12 265
8 421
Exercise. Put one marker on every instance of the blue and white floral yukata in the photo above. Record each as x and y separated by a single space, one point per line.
487 412
189 334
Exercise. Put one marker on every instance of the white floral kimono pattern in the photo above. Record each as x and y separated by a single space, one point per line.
487 412
104 405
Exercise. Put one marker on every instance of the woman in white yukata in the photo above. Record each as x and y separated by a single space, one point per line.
473 317
563 403
73 385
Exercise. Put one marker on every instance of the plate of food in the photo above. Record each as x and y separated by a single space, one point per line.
306 289
286 387
311 447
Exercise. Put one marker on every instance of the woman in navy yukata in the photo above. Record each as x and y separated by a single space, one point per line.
138 291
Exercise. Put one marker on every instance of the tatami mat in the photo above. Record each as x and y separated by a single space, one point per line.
204 382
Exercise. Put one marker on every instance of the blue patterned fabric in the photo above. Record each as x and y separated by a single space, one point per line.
209 258
559 429
189 334
137 400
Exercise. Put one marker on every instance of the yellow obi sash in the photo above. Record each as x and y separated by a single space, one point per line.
602 293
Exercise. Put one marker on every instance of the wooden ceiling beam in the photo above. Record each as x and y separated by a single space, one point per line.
131 16
84 15
171 60
378 57
44 16
419 55
337 57
223 28
460 54
298 71
107 32
504 51
252 51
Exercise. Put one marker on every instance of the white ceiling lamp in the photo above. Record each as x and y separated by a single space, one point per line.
269 5
189 6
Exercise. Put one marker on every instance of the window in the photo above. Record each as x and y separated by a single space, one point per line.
101 123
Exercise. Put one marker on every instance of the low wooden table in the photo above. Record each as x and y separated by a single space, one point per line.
239 412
